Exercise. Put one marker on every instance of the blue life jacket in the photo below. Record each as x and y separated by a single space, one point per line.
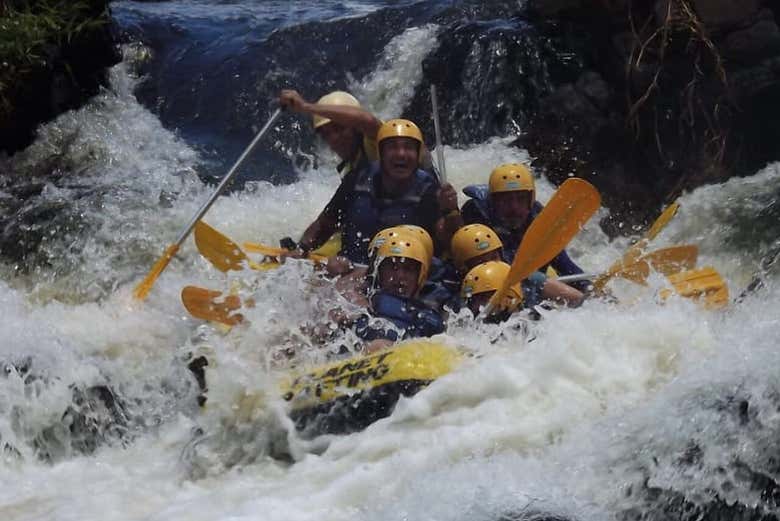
408 318
442 287
367 213
478 210
532 287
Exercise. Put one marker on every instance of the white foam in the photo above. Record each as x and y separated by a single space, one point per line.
562 423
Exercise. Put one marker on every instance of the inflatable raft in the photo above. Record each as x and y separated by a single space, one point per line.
348 395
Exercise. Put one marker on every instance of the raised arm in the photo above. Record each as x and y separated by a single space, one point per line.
353 117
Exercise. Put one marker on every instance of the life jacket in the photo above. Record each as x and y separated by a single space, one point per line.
532 287
442 287
408 318
367 151
366 213
477 210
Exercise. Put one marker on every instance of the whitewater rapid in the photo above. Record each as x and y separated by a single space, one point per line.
570 418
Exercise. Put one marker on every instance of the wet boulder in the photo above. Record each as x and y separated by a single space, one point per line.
490 75
740 464
95 416
693 92
59 60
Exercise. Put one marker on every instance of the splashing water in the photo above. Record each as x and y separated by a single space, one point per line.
577 414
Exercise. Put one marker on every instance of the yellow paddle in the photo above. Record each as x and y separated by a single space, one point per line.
223 253
704 284
212 305
270 251
561 219
636 250
226 255
321 254
666 261
145 286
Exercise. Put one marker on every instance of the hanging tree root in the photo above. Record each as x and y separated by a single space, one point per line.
697 106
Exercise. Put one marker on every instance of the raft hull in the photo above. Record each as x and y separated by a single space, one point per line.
348 395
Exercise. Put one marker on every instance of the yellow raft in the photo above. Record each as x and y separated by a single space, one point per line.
348 395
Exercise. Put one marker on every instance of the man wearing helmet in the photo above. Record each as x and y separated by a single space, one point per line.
349 131
482 281
394 191
399 266
347 128
400 260
475 246
508 205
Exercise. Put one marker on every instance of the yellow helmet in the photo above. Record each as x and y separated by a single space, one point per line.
512 177
399 128
490 276
382 236
472 240
338 97
421 234
402 244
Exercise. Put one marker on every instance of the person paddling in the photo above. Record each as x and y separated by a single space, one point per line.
483 280
399 268
394 191
338 118
508 205
350 132
474 245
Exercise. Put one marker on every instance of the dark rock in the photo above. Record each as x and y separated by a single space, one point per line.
724 13
95 417
741 480
22 232
754 43
490 77
698 105
69 72
592 85
554 7
579 131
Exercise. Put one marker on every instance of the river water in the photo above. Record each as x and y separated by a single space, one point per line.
621 411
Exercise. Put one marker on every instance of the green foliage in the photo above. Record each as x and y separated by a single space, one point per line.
29 27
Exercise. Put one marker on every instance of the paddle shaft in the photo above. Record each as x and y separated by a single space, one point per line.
437 132
576 278
225 180
666 261
145 286
633 253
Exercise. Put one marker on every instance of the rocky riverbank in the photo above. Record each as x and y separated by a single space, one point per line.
643 98
675 94
53 57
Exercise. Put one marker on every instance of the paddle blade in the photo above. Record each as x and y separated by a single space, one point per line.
212 305
635 252
662 220
666 261
223 253
568 210
628 259
145 286
704 284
